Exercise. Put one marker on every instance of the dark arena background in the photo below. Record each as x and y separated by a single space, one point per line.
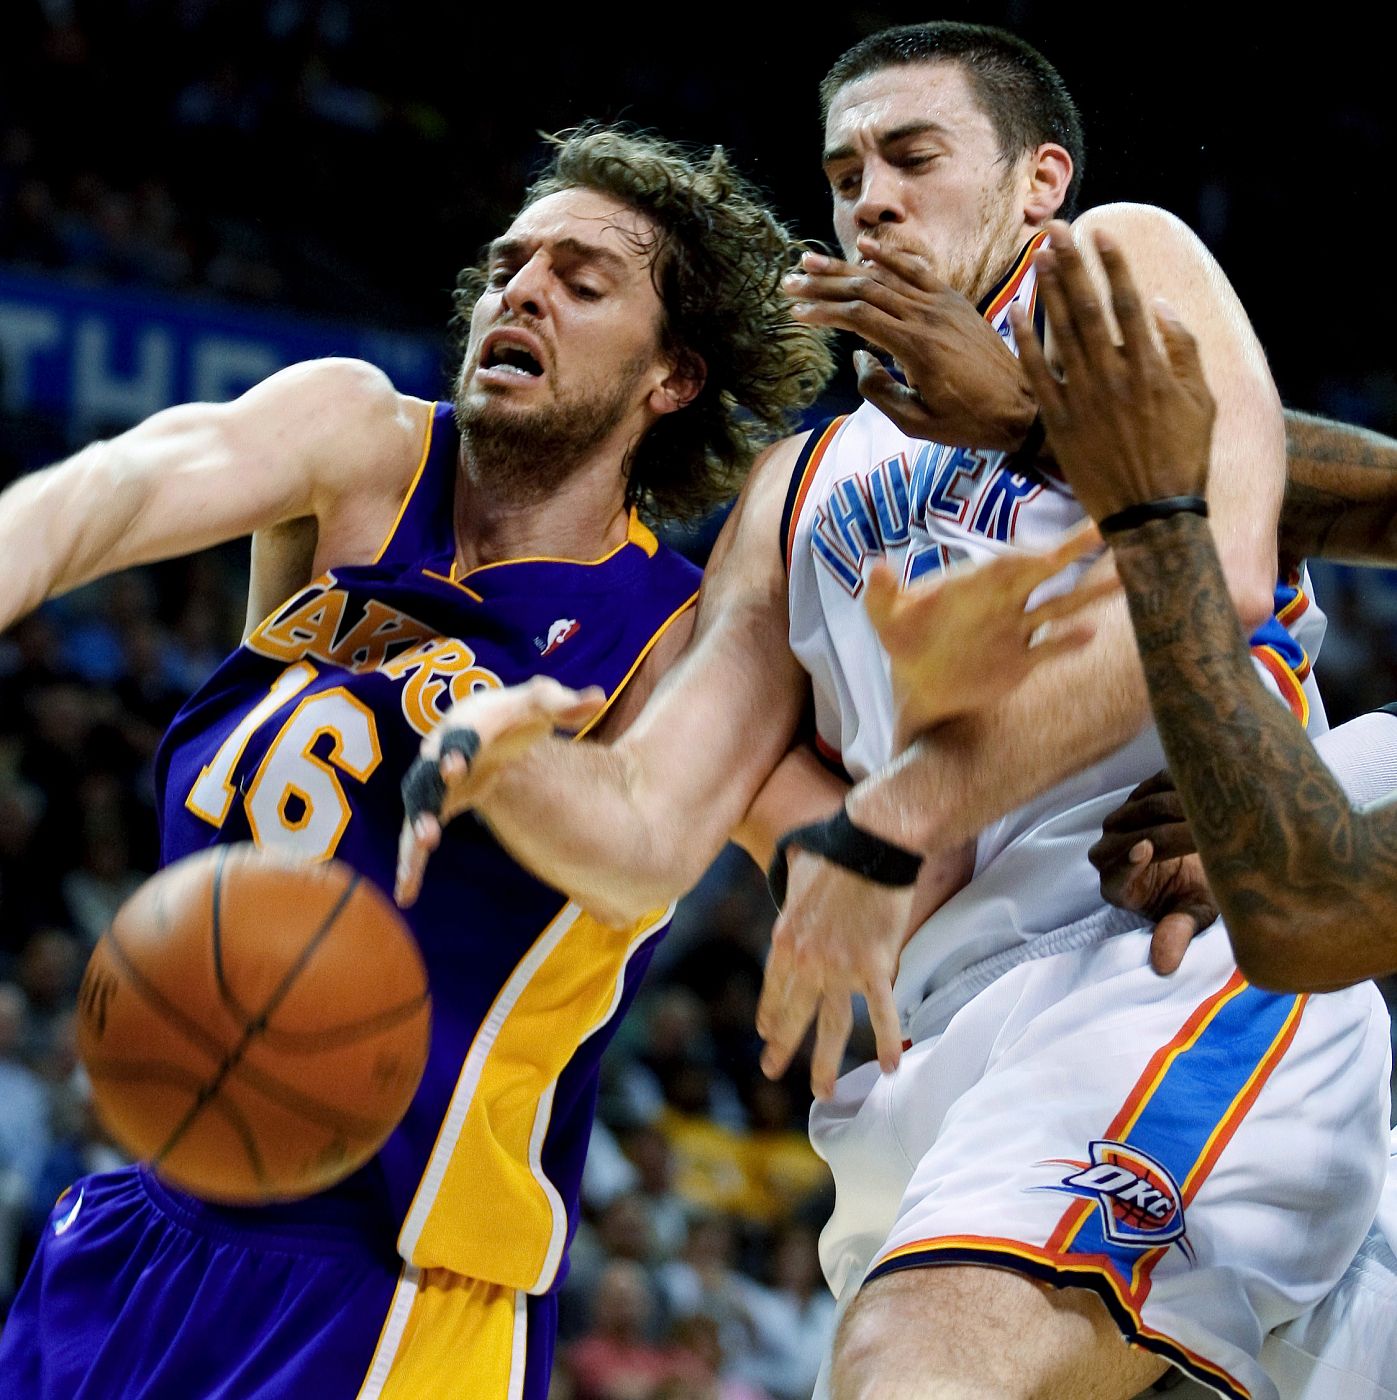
196 192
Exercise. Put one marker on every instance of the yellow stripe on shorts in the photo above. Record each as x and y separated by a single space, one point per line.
449 1335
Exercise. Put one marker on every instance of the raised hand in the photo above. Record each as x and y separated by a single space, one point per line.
841 936
1149 864
838 936
964 385
964 638
1126 423
497 727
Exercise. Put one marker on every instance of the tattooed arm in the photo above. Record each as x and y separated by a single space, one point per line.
1308 884
1341 493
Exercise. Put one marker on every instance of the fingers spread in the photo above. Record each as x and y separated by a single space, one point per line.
880 595
832 1029
1065 604
1082 306
416 842
1063 641
911 267
887 1025
1125 302
1041 379
1085 539
897 401
785 1007
1181 348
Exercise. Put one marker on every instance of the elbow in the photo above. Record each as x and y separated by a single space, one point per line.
630 895
1255 607
1254 602
1275 958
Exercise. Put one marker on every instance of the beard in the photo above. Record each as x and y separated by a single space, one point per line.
525 455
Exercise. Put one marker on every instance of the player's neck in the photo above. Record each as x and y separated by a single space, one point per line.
584 516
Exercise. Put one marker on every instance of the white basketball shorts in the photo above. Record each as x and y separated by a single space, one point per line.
1204 1156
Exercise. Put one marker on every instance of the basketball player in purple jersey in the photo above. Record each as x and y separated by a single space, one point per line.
628 344
1048 1077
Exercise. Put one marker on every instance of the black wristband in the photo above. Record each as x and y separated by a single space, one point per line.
424 789
837 839
1146 511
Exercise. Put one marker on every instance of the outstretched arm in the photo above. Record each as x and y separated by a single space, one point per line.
1307 883
199 474
628 826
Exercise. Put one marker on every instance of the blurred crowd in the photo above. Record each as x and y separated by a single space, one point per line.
120 167
237 170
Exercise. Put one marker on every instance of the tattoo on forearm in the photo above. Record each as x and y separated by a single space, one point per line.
1341 492
1276 831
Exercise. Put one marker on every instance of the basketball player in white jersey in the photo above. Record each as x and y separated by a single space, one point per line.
1084 1151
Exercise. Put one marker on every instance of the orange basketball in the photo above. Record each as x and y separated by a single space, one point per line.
254 1027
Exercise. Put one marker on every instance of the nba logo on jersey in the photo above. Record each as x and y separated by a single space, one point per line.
558 633
1140 1201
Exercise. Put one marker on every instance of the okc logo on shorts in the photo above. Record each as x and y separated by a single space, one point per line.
1140 1201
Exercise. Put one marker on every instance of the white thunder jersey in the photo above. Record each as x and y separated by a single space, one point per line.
863 490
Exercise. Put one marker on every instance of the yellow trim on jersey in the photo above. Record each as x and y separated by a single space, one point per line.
1297 605
1010 287
484 1206
1288 681
448 1335
635 665
637 533
446 578
412 485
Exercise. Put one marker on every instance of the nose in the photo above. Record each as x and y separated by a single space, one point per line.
880 198
525 292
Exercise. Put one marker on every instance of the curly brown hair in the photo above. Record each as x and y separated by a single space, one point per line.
717 267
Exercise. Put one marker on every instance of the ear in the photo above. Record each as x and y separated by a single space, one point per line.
1049 175
681 386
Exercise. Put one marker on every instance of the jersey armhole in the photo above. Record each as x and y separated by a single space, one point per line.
412 485
802 474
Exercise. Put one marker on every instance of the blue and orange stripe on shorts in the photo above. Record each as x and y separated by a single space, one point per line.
1185 1107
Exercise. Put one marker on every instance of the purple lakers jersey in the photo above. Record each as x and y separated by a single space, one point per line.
300 741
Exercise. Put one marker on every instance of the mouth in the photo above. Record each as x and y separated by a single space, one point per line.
511 356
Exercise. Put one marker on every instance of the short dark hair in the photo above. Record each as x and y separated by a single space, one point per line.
717 266
1020 91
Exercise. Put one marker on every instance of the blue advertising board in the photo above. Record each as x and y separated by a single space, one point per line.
100 357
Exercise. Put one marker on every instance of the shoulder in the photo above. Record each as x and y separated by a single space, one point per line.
1165 256
345 419
1125 219
335 382
762 504
1157 244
